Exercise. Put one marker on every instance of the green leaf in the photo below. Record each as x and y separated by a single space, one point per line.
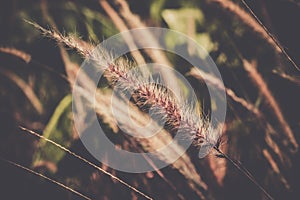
58 129
181 19
155 9
186 20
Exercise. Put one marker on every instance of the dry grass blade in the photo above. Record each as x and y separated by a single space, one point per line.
16 52
249 106
28 91
255 24
45 177
71 68
268 127
154 166
275 167
263 87
144 38
288 77
285 160
201 75
122 27
28 59
271 36
87 162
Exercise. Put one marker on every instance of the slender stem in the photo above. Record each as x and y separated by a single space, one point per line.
86 161
45 177
288 57
244 170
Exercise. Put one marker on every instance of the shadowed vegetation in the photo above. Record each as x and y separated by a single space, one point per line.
255 46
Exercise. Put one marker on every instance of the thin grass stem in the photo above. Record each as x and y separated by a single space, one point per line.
45 177
86 161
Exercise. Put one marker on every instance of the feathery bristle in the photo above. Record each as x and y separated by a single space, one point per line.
148 94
